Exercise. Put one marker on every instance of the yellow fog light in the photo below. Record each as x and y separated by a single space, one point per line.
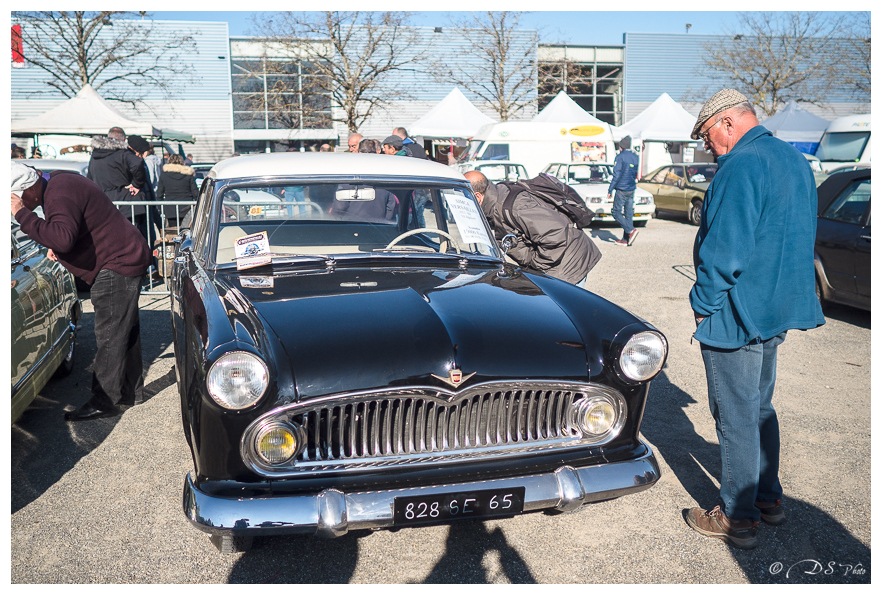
277 443
599 416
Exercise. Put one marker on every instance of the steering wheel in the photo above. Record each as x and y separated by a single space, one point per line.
441 247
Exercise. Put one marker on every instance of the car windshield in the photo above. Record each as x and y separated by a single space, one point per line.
842 146
590 173
697 174
349 218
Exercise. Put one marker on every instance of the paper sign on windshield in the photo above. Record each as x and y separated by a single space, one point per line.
252 251
468 220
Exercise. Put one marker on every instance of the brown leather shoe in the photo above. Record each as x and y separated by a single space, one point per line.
771 512
714 523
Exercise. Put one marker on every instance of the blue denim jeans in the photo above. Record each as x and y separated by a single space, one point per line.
623 210
740 383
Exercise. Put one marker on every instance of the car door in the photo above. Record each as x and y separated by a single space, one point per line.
31 322
843 239
663 188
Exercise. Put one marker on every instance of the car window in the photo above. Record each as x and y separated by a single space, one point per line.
851 204
348 218
673 175
592 174
494 173
659 177
520 172
497 152
697 174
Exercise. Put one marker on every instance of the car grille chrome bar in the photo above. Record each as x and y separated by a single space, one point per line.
421 425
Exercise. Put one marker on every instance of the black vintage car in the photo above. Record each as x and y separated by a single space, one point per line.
353 352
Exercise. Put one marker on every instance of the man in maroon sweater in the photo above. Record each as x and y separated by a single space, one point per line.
93 240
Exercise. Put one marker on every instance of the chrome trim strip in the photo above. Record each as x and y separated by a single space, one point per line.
332 513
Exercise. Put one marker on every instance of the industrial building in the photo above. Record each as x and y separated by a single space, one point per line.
215 98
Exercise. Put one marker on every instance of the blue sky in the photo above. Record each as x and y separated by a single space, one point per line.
576 27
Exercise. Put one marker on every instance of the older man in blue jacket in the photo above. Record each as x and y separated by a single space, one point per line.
754 281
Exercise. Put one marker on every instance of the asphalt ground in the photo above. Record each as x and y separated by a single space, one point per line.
100 501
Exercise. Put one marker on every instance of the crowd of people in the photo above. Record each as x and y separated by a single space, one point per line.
753 261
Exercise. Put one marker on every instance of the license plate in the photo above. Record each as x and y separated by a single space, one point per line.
439 508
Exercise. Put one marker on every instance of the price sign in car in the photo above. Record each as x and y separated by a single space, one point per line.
433 508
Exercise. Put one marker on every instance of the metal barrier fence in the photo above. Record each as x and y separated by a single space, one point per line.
166 216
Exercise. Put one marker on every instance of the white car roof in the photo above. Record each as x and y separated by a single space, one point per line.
320 164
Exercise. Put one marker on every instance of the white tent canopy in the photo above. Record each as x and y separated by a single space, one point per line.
452 117
796 124
563 109
663 120
89 114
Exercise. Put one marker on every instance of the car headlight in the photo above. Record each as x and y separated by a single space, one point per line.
237 380
599 416
643 355
595 200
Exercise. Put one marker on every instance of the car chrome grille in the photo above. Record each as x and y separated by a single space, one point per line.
391 428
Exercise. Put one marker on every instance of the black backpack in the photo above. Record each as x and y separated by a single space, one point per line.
554 192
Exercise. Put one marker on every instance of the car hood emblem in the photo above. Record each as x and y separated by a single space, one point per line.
455 377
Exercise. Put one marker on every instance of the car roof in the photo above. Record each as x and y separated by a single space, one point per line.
54 164
330 164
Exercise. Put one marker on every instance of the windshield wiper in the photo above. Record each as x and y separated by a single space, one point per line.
290 257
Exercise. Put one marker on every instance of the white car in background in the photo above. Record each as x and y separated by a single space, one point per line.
496 171
591 181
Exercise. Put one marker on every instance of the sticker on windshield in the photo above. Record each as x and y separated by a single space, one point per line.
468 219
252 251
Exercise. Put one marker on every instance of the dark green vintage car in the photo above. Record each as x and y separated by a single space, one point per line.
679 188
45 311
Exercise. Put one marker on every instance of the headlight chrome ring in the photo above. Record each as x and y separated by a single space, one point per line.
237 380
643 356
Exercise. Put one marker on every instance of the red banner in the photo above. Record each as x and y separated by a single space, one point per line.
17 47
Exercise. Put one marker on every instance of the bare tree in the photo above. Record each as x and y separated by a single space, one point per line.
353 56
121 58
776 57
501 68
564 75
855 61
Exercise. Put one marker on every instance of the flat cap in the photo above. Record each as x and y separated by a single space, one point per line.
721 101
23 177
394 141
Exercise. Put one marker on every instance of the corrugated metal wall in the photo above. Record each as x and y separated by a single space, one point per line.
201 104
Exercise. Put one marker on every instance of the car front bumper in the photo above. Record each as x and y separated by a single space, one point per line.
332 513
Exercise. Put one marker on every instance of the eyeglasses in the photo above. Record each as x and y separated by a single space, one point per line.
704 135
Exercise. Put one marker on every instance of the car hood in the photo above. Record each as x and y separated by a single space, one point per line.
358 329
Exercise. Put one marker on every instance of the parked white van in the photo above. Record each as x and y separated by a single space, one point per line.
536 144
845 142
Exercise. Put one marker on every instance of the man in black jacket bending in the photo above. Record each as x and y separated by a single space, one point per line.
547 241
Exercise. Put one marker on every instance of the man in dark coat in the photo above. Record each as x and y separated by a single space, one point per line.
547 241
121 174
93 240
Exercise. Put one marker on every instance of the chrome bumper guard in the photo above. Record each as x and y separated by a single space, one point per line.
332 513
